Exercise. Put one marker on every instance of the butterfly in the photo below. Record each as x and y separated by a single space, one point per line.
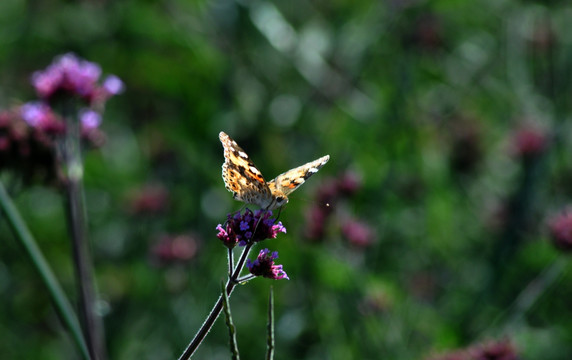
243 179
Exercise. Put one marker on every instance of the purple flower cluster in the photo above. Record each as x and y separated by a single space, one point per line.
69 77
264 266
561 230
73 76
28 133
29 150
40 116
248 228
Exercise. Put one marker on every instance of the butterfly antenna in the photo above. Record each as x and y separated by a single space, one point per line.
278 217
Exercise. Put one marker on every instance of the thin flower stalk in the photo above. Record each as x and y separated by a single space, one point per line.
77 223
229 323
41 265
270 327
215 312
69 90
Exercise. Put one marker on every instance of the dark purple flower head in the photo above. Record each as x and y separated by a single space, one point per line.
264 266
249 227
70 75
561 230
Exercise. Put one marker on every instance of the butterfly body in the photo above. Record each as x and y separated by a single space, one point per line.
245 181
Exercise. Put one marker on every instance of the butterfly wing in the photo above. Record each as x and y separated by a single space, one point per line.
292 179
240 175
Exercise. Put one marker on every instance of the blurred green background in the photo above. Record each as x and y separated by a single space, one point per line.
427 108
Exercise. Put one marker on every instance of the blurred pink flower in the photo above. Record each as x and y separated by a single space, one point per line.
75 76
529 141
358 233
494 350
40 116
561 230
332 191
349 183
175 248
489 350
149 199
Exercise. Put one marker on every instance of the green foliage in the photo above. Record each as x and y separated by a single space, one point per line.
422 99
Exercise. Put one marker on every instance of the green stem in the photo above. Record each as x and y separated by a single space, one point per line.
270 328
215 312
57 295
70 148
230 324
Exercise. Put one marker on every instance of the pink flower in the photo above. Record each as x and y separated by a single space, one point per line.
529 142
264 266
175 248
70 75
39 115
358 233
561 230
249 227
149 199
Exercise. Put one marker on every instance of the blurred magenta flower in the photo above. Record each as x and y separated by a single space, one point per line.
529 142
316 218
358 233
149 199
561 230
494 350
249 227
175 248
89 119
68 74
349 183
490 350
39 115
328 195
27 141
264 266
113 85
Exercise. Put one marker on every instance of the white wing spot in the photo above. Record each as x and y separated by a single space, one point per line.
242 154
313 170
